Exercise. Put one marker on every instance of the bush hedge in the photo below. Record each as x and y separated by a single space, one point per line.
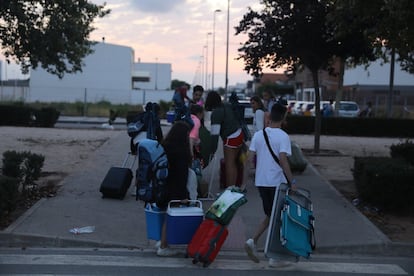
21 115
9 194
362 127
403 151
385 182
24 166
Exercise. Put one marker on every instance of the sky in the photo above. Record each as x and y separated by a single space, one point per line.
177 32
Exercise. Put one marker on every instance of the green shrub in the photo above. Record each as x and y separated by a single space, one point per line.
46 117
385 182
9 194
25 166
404 151
16 115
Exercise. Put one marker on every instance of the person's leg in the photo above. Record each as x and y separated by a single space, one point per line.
164 250
260 230
267 195
164 243
230 159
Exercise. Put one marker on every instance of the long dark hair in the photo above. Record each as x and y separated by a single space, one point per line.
213 101
177 140
258 100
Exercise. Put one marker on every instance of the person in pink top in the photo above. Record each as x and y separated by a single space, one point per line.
197 114
198 91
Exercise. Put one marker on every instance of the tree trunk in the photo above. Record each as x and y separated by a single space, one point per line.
317 111
339 92
389 109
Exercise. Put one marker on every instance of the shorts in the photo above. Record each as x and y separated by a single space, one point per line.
267 194
234 140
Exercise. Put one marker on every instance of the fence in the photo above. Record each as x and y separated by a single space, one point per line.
90 95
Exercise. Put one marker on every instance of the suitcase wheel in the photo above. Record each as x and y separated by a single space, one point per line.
206 264
194 261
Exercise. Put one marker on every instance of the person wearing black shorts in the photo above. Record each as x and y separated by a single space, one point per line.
269 175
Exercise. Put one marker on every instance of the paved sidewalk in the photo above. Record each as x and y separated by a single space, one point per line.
340 228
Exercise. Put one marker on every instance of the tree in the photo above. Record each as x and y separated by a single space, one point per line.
292 34
386 24
52 34
353 33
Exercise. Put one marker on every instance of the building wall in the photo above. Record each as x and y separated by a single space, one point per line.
158 74
106 76
109 67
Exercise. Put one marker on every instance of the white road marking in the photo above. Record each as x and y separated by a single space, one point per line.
225 264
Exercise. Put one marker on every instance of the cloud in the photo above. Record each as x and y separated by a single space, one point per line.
156 6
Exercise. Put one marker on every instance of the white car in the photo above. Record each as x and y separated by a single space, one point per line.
347 109
248 111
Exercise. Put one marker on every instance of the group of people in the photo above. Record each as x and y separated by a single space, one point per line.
182 141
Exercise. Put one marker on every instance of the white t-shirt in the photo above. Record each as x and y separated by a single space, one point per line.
268 172
258 120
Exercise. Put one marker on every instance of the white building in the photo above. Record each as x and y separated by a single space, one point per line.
108 74
151 76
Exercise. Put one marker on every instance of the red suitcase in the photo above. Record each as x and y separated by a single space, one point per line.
206 242
239 180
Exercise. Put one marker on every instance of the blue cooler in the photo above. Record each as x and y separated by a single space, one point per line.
155 218
170 116
183 221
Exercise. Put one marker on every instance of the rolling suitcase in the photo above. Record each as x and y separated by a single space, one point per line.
207 242
297 229
117 180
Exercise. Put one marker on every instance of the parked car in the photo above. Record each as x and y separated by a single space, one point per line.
297 108
347 109
307 109
321 104
248 111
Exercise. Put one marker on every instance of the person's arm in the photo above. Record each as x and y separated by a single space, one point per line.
215 132
284 163
260 119
216 120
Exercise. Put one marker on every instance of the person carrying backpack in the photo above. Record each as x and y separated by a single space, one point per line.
181 106
226 124
145 124
177 147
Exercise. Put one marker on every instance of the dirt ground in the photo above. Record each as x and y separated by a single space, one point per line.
66 149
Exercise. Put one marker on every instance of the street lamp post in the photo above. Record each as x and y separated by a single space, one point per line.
206 72
156 73
227 51
214 48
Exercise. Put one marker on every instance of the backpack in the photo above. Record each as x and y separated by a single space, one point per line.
145 121
152 172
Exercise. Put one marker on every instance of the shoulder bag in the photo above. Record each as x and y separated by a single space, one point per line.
274 155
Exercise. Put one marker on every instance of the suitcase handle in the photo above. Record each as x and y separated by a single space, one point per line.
129 154
190 202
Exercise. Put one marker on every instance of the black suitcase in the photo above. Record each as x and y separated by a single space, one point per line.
117 180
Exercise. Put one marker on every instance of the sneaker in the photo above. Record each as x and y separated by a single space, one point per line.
251 251
278 263
166 252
